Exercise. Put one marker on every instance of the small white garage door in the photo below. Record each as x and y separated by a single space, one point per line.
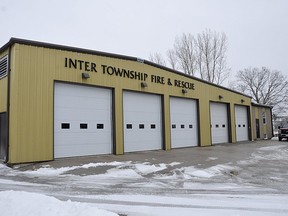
142 122
184 126
219 122
241 123
82 121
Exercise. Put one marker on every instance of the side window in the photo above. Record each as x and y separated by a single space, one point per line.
264 117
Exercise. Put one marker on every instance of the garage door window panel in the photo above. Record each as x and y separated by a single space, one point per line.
65 126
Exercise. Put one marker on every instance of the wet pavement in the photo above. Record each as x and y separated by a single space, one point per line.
250 163
232 170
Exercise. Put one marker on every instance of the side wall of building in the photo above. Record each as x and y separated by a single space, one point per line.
262 120
3 112
3 89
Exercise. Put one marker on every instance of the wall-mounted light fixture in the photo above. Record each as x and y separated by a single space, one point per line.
85 76
144 85
220 97
184 91
242 101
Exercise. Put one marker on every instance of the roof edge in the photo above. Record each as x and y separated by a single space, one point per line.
14 40
261 105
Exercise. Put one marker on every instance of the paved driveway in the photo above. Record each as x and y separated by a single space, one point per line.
240 171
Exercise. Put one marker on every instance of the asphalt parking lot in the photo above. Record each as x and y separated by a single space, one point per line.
196 156
231 176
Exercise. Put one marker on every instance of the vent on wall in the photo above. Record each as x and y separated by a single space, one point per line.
3 66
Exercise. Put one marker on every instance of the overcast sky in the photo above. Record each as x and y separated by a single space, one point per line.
257 30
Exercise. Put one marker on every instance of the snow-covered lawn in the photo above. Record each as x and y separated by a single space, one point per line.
19 203
254 185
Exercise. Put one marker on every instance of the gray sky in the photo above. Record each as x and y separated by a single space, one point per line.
257 30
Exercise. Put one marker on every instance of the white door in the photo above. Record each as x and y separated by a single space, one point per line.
184 127
241 123
142 122
219 122
82 121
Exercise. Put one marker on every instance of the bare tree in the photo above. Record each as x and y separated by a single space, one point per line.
184 48
172 59
266 86
157 58
203 56
211 56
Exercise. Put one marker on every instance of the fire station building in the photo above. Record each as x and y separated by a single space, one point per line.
58 101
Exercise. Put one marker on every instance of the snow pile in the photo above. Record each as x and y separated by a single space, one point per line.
120 173
210 172
146 168
49 171
13 203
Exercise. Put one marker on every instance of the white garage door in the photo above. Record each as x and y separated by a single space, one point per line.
142 122
183 122
241 123
219 122
82 121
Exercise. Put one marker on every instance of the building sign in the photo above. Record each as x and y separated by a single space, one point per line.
125 73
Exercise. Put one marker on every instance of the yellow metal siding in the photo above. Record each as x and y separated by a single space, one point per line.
31 107
34 70
3 94
3 88
264 128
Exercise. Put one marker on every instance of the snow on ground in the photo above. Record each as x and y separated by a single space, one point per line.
19 203
254 185
46 170
199 204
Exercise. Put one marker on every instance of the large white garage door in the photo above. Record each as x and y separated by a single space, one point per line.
82 121
219 122
184 128
241 123
142 122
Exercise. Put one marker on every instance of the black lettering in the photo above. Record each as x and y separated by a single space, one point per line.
153 78
137 75
192 86
110 70
93 67
87 68
66 62
132 74
126 73
177 83
73 63
118 72
184 84
145 76
81 62
104 68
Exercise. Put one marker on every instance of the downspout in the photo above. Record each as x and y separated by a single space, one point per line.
271 122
